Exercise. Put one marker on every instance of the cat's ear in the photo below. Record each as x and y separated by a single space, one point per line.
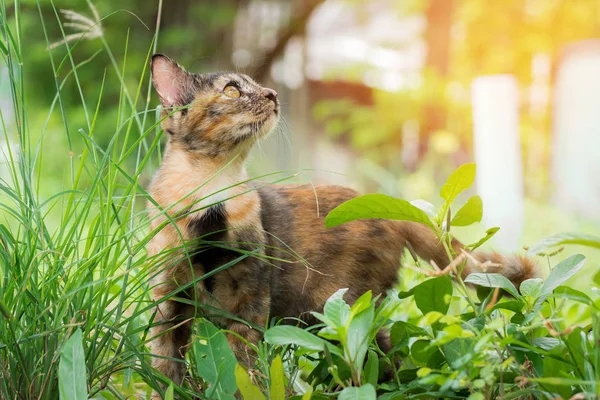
172 83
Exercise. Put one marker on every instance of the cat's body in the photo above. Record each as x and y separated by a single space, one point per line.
282 260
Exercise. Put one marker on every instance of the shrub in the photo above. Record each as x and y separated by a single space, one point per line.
460 344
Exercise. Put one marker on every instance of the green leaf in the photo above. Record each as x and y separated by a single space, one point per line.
336 314
365 392
577 344
562 272
362 303
531 287
376 206
358 335
458 181
248 390
476 396
557 369
488 235
407 375
277 389
72 379
470 213
564 239
511 305
215 361
320 373
3 48
545 343
336 309
170 392
402 331
563 382
284 335
431 295
392 396
371 370
425 206
459 352
566 292
422 350
493 280
404 295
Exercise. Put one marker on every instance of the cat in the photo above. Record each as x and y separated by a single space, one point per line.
282 260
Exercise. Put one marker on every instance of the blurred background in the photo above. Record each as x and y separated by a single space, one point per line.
385 95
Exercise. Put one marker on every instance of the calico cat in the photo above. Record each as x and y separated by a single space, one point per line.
282 260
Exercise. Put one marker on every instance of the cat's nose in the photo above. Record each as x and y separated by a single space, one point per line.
270 94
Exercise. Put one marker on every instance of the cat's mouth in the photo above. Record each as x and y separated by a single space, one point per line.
268 122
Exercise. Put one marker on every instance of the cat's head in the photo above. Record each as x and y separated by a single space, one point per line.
213 114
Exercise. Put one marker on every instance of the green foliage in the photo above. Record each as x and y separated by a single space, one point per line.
72 260
480 351
71 370
440 302
382 206
493 281
562 272
564 239
215 362
470 213
248 390
457 345
352 327
277 389
77 145
376 206
169 393
458 182
488 235
282 335
365 392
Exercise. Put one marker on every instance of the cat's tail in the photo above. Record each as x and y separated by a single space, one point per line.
420 239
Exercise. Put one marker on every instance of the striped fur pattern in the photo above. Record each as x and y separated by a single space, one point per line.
285 263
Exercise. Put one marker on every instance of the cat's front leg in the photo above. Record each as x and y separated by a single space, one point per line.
170 335
242 338
251 302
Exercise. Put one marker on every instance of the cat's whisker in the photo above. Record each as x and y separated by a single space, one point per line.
284 131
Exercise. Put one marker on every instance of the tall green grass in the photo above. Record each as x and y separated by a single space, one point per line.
74 283
73 260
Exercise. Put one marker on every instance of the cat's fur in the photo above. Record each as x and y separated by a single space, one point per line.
286 262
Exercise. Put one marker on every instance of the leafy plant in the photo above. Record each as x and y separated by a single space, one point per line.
353 328
215 362
71 370
564 239
458 344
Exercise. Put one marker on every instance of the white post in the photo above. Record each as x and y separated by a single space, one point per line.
498 156
576 130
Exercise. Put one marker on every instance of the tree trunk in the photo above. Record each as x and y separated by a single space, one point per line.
437 36
296 27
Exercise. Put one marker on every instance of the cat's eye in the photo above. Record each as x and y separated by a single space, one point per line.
231 91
